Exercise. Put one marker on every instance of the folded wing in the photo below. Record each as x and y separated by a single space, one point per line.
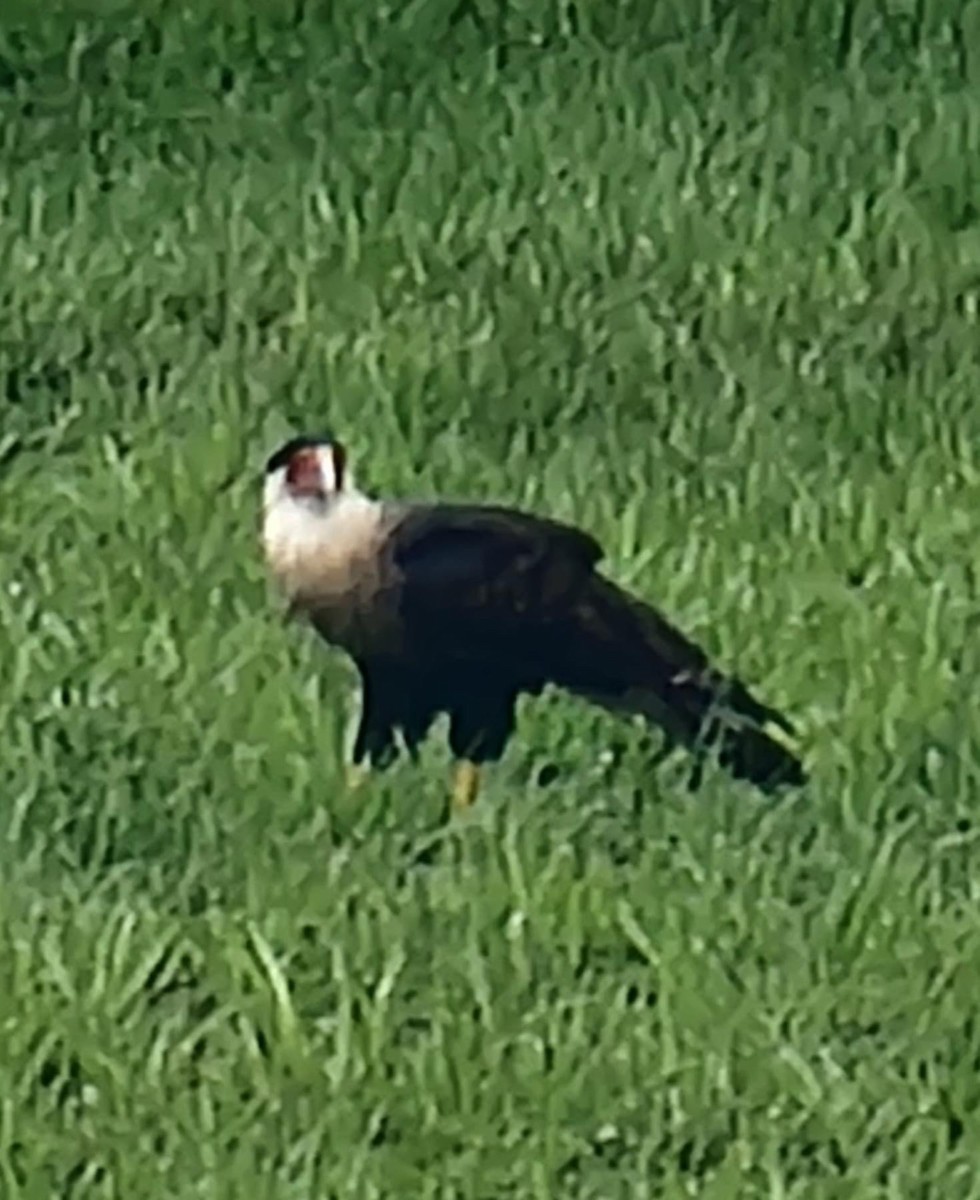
518 600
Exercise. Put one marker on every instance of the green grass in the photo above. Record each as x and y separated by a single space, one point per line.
702 279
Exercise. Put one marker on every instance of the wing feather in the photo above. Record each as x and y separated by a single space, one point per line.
485 534
471 574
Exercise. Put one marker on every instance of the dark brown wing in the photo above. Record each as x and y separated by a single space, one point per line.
426 531
517 600
479 581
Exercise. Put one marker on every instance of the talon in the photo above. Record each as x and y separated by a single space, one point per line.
466 786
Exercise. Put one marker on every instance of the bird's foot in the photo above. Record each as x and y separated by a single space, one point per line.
466 786
355 776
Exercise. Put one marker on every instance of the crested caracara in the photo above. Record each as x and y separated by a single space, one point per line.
459 609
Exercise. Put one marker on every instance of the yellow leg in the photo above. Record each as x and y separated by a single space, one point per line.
356 775
466 785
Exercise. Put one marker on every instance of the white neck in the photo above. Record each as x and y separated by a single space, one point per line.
304 537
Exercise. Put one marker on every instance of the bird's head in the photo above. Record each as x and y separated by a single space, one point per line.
314 519
311 471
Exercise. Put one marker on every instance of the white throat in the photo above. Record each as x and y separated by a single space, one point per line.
309 543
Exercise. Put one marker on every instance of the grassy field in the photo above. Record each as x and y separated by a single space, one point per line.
704 279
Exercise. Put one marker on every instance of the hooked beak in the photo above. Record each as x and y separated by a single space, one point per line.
304 476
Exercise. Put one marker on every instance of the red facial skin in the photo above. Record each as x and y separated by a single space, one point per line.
304 476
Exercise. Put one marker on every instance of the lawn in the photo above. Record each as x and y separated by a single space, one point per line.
702 279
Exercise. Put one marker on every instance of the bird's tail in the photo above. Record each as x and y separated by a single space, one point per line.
625 656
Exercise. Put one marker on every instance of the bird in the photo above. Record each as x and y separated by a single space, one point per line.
460 609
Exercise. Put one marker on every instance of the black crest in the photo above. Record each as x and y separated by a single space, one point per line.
280 458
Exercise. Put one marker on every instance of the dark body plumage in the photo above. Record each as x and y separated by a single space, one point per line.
495 603
460 609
